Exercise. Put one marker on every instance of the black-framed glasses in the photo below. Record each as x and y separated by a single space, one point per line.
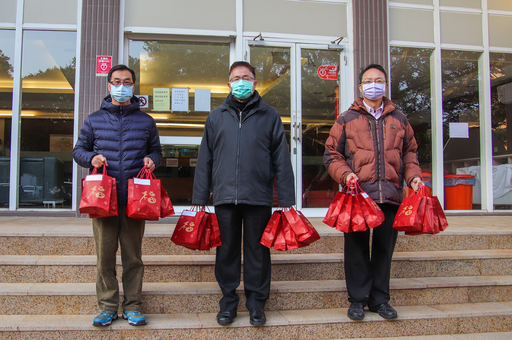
237 78
376 81
118 82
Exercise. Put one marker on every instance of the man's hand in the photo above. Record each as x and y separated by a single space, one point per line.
148 163
416 183
98 161
351 179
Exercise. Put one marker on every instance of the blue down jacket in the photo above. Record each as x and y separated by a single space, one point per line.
241 153
124 135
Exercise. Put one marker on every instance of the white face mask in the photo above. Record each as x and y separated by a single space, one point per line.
374 91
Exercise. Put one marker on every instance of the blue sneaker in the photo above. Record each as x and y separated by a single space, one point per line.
104 318
134 318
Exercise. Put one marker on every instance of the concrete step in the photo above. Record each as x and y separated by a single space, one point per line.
73 236
285 267
474 336
203 297
285 324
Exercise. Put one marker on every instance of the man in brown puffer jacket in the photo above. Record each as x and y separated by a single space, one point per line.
373 143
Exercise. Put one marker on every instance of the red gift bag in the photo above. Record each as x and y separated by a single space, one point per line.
205 239
429 225
357 221
280 241
301 229
343 222
334 209
166 208
113 211
313 233
96 193
372 213
144 196
270 232
439 214
411 212
189 228
215 240
289 235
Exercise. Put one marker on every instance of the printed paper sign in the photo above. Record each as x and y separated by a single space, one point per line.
202 100
143 101
103 65
161 99
179 99
459 130
328 72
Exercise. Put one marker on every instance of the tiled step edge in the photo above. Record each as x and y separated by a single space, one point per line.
474 336
316 317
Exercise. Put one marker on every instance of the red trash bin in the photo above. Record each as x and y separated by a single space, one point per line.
458 192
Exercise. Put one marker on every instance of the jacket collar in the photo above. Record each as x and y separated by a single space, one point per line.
254 104
127 109
358 105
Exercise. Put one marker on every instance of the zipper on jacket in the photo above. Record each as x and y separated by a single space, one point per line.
371 129
121 172
380 162
237 171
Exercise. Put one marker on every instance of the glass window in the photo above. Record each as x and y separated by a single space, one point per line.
461 128
6 83
410 90
501 99
183 82
46 141
272 66
320 98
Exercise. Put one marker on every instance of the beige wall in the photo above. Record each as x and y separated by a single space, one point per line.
462 29
411 25
421 2
189 14
295 17
8 12
50 12
461 3
503 5
499 31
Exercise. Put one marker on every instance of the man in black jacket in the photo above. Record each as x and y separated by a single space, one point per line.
125 139
243 150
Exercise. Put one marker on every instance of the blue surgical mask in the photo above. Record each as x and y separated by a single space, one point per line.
242 89
374 91
121 93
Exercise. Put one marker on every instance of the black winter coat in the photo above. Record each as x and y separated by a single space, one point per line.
240 156
124 135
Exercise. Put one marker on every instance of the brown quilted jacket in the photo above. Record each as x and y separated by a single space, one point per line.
380 152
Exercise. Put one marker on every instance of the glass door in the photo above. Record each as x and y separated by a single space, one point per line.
302 82
318 107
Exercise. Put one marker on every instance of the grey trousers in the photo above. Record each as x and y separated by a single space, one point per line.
128 233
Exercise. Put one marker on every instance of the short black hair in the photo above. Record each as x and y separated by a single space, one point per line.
118 68
369 67
244 64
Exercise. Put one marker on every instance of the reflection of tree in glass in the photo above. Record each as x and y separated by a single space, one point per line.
54 100
410 91
6 68
501 66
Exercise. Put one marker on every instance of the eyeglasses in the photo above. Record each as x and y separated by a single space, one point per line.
237 78
118 82
377 81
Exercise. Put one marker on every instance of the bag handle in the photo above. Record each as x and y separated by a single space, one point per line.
103 171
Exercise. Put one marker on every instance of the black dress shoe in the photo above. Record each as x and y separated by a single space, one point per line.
385 310
356 311
257 317
226 317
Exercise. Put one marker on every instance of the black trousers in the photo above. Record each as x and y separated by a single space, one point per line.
249 221
367 275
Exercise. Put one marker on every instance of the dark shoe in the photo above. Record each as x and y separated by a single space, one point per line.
385 310
226 318
257 317
356 311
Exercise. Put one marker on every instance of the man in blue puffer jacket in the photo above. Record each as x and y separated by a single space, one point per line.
125 139
243 150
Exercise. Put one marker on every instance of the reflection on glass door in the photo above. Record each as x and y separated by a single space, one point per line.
273 71
320 97
46 141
